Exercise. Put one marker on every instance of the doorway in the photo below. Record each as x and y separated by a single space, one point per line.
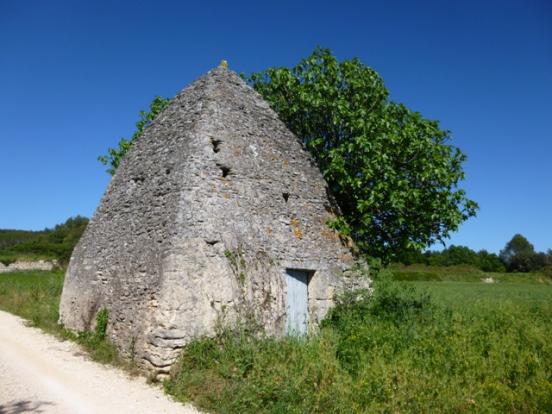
297 307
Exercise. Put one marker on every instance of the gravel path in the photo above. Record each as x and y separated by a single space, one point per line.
40 374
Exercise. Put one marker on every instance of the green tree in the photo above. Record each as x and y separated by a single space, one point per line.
490 262
518 255
457 255
410 257
392 171
548 268
114 156
539 261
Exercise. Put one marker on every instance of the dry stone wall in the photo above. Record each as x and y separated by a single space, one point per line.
28 265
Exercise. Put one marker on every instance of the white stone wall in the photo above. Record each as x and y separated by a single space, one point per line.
23 265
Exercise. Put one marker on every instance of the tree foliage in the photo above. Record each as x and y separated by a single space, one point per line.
114 156
455 255
519 256
56 243
393 172
10 238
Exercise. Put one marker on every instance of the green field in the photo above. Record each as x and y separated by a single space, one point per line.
448 344
33 296
461 294
418 346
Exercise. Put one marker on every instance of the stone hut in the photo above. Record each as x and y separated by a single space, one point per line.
217 210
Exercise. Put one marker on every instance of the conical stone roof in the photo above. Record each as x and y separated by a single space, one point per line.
200 222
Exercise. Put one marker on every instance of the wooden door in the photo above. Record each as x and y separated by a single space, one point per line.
297 301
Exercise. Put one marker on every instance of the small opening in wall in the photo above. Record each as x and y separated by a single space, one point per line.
286 196
138 180
168 171
216 144
211 242
224 170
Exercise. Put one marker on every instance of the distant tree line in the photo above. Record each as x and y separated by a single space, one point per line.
56 243
10 238
518 255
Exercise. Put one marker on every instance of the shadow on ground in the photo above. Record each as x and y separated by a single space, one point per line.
24 406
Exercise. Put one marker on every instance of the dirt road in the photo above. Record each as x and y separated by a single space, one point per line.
40 374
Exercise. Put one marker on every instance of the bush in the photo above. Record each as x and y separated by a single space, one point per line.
7 259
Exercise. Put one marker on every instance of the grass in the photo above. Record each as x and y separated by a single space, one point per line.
415 347
450 346
35 297
420 272
465 294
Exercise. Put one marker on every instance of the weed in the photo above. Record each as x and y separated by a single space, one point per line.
238 264
102 318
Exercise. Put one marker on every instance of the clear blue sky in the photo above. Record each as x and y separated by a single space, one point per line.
73 76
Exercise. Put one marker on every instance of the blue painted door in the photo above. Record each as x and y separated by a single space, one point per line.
297 301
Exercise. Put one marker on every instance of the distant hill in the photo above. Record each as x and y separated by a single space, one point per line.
54 244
